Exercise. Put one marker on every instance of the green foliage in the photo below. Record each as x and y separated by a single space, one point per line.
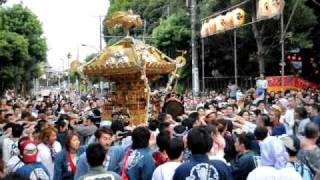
22 46
13 56
168 22
90 57
173 33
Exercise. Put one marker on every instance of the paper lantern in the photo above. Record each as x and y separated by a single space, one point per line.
264 8
221 25
229 20
204 30
238 17
276 6
212 26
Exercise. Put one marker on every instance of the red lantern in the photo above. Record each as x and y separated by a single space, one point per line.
294 57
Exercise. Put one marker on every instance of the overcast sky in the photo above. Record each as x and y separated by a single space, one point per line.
67 24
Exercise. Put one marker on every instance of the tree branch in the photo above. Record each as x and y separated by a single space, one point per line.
316 2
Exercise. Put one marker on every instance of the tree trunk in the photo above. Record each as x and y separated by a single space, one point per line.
258 35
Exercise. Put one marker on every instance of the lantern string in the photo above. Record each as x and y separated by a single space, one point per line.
290 18
226 10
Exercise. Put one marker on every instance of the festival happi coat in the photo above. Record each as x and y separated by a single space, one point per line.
131 65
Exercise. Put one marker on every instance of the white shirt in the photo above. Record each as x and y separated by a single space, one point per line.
262 83
288 120
268 173
13 164
10 149
165 171
44 155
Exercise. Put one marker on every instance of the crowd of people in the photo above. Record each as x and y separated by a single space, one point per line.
251 135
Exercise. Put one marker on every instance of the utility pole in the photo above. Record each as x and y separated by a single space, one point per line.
195 70
100 32
235 57
69 57
282 54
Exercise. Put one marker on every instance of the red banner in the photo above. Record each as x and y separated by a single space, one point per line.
290 82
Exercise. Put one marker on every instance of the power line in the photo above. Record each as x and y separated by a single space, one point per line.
226 10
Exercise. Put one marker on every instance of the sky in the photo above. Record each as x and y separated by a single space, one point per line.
67 25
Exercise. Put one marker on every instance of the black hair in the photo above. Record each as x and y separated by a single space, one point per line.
96 112
193 117
311 131
212 129
175 148
206 106
257 112
163 126
7 126
261 133
260 102
199 108
302 112
245 139
140 138
315 107
17 130
8 115
16 106
186 123
179 129
60 124
28 105
266 119
25 114
296 145
199 140
40 125
64 117
117 126
103 130
222 124
163 139
162 117
95 155
41 111
153 125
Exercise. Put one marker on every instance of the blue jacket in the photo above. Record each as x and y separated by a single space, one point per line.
243 165
114 157
34 171
61 165
200 167
140 164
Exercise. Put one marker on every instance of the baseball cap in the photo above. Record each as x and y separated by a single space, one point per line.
28 150
290 142
259 91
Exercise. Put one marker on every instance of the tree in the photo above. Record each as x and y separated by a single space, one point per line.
260 42
2 2
13 56
90 57
21 21
259 45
